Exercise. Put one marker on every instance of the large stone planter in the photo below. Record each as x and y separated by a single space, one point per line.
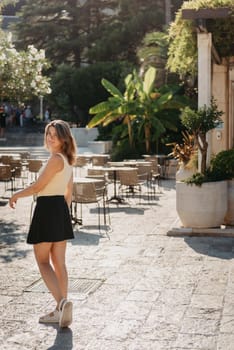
229 217
201 207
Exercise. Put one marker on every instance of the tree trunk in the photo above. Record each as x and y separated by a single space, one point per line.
147 138
203 146
129 131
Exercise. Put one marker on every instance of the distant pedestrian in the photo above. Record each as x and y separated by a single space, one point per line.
28 115
22 116
47 115
51 225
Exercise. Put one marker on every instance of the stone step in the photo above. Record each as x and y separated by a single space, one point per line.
22 139
36 152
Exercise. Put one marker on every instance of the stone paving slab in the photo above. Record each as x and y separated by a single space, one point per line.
159 292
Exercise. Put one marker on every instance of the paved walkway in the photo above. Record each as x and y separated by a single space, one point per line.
150 291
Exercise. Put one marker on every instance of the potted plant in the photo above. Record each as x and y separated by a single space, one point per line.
223 166
201 200
186 155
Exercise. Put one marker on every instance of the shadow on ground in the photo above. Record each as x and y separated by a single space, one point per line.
218 247
63 340
11 235
87 235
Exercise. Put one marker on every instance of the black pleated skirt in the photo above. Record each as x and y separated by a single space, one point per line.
51 221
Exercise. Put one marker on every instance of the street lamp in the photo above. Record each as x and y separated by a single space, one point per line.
41 107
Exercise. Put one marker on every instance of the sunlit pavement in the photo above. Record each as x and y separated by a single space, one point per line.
139 289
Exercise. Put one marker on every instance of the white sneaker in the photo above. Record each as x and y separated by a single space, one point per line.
65 308
52 317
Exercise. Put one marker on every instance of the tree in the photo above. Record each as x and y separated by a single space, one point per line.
88 31
120 37
62 28
199 122
75 90
153 52
118 106
21 72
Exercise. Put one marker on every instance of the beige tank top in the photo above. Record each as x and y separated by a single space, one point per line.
58 184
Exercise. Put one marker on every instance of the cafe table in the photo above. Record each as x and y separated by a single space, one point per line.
114 170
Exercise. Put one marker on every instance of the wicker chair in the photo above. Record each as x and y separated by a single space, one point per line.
80 163
6 159
131 182
99 160
90 193
6 176
34 166
96 173
17 171
153 177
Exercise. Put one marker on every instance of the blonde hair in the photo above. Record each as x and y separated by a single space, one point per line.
62 128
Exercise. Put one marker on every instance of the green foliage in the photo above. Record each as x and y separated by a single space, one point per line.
61 100
21 72
122 149
63 28
196 179
209 176
74 31
202 120
199 122
221 168
153 52
75 90
182 53
120 36
140 104
223 164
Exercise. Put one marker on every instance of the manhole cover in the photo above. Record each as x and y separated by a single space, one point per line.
75 285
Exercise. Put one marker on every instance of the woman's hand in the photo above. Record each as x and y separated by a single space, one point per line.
12 201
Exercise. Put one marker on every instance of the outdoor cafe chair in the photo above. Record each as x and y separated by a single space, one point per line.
17 171
34 166
6 176
131 182
85 193
5 159
98 173
99 160
80 163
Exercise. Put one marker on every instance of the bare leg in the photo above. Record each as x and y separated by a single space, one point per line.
58 259
42 253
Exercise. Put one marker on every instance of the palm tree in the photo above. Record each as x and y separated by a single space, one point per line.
118 106
140 102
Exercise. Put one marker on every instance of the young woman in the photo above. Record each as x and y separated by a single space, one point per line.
51 224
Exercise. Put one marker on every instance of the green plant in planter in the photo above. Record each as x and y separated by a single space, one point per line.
221 168
222 165
199 122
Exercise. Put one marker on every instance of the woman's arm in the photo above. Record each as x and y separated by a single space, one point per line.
54 165
68 193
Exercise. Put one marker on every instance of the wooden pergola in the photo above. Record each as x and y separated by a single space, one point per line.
200 17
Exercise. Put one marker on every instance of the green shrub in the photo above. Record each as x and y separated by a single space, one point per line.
223 164
221 168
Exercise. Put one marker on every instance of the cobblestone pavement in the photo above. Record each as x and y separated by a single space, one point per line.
154 292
